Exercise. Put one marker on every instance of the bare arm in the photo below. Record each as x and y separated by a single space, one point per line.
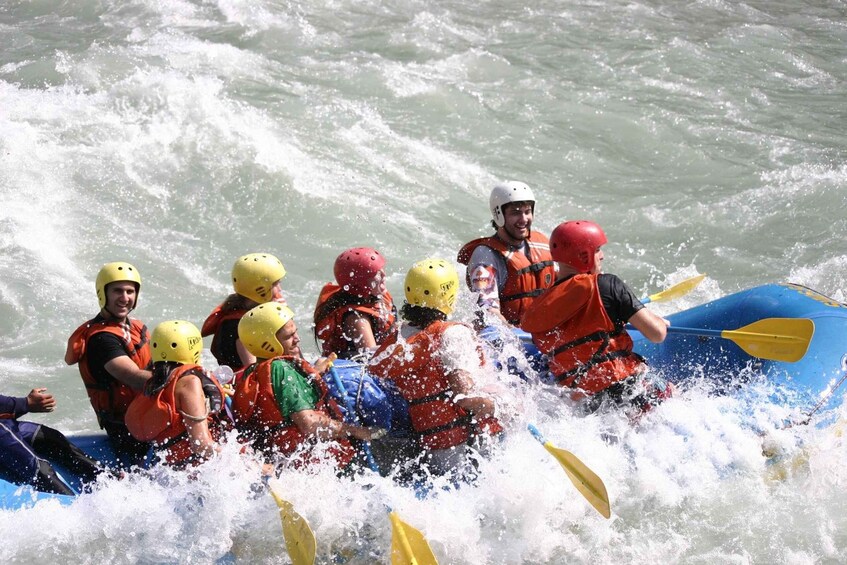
315 423
357 328
191 403
460 382
650 325
127 372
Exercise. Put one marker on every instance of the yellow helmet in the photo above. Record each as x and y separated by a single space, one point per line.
254 275
178 341
432 283
116 272
257 329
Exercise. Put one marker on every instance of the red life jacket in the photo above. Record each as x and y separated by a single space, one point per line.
153 417
257 413
416 368
526 277
569 324
212 326
110 398
334 304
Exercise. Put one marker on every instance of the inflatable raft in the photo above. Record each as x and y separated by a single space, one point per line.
816 377
13 496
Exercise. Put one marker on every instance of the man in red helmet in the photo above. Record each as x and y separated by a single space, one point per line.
509 269
580 322
357 314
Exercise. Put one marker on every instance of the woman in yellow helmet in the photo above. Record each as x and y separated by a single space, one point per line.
256 278
179 410
433 363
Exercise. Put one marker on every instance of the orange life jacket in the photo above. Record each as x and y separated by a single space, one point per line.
585 350
334 304
153 417
109 398
526 277
416 368
257 413
212 326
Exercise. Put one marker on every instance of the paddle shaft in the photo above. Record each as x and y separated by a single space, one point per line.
677 290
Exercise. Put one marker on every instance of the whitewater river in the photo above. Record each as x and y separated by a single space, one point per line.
705 137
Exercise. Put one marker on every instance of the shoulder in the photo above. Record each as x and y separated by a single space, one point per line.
612 286
485 255
458 330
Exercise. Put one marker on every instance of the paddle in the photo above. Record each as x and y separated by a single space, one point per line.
584 479
677 290
408 545
778 339
299 537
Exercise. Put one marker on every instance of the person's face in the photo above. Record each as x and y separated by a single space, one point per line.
276 292
518 220
598 261
288 339
120 298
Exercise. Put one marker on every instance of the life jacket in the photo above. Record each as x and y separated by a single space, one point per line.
257 413
334 304
584 348
212 326
415 367
526 277
153 417
110 397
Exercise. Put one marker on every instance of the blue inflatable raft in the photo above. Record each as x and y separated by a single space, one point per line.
814 378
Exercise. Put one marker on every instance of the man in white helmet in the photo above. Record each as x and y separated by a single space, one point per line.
513 266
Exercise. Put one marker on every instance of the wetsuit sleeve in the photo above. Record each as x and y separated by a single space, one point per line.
620 302
13 406
292 391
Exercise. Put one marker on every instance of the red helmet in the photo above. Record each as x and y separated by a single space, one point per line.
574 243
356 268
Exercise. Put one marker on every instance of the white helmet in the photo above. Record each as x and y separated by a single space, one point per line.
504 193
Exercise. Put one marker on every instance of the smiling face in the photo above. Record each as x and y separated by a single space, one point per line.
518 222
288 339
120 299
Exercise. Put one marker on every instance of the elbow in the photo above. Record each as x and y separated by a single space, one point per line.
658 334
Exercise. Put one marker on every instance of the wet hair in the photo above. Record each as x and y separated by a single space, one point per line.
161 375
237 302
421 316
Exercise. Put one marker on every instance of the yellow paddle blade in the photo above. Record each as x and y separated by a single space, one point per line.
780 339
584 479
299 538
677 290
408 545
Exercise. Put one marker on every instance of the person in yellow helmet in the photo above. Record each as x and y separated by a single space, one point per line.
281 404
256 279
113 353
433 363
180 408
